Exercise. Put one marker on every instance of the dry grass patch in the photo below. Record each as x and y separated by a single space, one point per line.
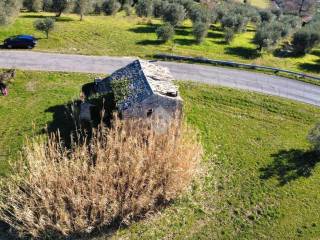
118 176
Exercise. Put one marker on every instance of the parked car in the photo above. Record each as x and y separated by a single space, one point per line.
20 41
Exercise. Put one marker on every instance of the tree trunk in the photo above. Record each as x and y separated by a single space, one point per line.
59 14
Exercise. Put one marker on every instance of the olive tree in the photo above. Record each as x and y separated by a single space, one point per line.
60 6
200 31
305 39
9 9
174 14
236 22
144 8
111 7
159 7
266 16
165 32
268 35
82 7
33 5
200 13
45 25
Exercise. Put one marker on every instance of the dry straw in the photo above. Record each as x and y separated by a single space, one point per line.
120 175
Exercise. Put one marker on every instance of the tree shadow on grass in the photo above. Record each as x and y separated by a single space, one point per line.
58 19
149 42
145 28
316 53
216 28
215 35
185 42
243 52
311 67
289 165
220 42
64 19
62 122
182 31
35 16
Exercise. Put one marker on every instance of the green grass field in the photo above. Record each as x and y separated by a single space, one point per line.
259 180
132 36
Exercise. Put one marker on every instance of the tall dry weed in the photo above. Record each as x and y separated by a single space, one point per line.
121 174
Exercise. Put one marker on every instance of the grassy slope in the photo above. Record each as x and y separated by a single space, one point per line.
242 132
128 36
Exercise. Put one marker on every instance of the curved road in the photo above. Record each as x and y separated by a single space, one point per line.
253 81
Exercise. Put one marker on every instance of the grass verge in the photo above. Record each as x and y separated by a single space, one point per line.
259 181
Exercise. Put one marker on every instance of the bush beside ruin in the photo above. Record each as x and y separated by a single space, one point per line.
118 176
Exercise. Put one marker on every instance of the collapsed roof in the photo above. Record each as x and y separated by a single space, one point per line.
145 79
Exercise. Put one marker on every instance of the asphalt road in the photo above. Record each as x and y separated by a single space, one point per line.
253 81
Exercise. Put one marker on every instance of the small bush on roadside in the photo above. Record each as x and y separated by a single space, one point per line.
314 138
165 32
174 14
144 8
200 31
121 174
45 25
111 7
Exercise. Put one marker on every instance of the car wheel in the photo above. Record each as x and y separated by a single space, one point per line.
9 46
29 47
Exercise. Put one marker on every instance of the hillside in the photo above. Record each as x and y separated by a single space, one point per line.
131 36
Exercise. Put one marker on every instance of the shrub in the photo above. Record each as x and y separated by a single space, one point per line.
33 5
126 172
200 31
314 138
9 9
44 25
159 7
165 32
174 14
111 7
144 8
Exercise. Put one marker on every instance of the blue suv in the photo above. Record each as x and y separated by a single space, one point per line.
20 41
